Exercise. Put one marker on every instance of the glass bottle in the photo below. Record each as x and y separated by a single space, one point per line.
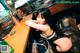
5 47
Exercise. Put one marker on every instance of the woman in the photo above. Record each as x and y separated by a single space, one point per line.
62 44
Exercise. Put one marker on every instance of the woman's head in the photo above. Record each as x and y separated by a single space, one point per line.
40 19
19 12
65 22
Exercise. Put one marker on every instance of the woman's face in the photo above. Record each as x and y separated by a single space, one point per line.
66 22
19 12
40 19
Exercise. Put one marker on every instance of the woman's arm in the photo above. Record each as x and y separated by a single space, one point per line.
46 30
63 44
33 24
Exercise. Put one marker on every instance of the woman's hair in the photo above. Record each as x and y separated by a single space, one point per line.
50 19
72 22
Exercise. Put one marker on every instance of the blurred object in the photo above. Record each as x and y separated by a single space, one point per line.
5 48
3 11
68 25
6 28
73 23
20 3
42 46
64 25
3 2
34 47
70 29
16 36
33 6
78 26
10 4
6 22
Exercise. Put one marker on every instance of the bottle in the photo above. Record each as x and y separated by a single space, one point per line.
5 47
34 47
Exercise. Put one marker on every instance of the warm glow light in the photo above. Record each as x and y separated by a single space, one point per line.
20 3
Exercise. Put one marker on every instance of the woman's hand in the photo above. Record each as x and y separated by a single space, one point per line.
63 44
